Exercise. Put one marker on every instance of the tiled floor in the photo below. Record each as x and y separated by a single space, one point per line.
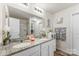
61 53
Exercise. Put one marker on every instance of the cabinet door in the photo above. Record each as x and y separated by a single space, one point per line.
34 51
54 44
44 49
48 48
37 53
51 48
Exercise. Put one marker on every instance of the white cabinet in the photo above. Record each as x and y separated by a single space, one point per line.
34 51
44 49
48 48
52 47
54 44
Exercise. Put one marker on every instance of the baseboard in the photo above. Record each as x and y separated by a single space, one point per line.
75 52
68 51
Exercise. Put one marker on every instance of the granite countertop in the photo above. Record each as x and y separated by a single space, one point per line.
15 47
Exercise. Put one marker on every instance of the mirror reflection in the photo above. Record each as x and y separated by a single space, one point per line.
19 29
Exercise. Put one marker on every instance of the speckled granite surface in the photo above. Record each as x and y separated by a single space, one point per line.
15 47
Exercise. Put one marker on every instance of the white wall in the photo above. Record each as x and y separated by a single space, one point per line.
1 23
67 45
64 45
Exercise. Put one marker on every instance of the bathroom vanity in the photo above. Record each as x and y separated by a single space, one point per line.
39 48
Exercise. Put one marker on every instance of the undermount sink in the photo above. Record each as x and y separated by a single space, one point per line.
21 45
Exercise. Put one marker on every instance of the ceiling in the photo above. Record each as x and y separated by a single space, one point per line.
16 13
13 12
53 7
49 7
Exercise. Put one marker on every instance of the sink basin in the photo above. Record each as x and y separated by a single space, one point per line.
21 45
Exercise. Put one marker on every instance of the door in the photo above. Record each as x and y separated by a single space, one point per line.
75 43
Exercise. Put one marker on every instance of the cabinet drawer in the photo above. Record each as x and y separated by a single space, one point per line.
29 52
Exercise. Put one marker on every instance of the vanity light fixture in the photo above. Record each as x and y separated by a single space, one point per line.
26 4
37 9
